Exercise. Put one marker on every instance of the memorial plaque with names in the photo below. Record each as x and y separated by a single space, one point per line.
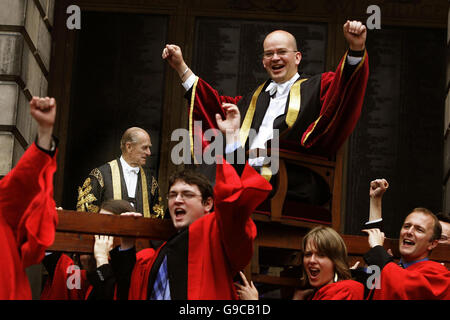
228 53
399 134
117 83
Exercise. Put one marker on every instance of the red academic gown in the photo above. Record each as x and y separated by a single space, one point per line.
330 106
57 288
426 280
219 244
27 220
341 290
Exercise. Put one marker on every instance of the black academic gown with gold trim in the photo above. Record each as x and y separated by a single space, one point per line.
320 114
107 182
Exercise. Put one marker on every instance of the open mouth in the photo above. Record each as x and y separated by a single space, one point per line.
407 242
179 213
277 67
314 272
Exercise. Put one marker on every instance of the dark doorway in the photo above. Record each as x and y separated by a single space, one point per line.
118 79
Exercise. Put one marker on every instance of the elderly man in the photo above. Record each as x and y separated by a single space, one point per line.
124 178
415 277
27 209
314 115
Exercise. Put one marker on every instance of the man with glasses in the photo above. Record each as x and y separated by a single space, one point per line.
314 115
209 249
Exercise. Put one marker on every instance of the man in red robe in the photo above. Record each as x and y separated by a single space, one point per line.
27 209
314 115
210 248
415 277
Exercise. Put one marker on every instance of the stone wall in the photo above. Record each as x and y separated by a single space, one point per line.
25 50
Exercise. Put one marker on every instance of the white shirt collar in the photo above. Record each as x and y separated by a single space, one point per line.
127 168
281 88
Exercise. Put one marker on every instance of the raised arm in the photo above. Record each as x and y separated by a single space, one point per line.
30 176
174 56
204 101
43 110
356 34
26 193
377 189
341 95
236 197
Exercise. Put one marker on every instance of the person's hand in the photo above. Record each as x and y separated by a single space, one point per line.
103 245
43 110
174 56
230 126
246 291
355 33
378 187
127 242
376 237
302 294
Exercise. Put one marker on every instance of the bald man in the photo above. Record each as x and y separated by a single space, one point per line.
124 178
313 115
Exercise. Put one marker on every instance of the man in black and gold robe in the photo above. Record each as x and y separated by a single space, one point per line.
124 178
312 115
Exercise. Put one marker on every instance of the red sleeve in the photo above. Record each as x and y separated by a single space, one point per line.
235 200
141 272
205 102
341 290
341 107
426 280
27 205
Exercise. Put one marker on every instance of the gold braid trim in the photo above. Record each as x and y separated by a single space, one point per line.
115 175
158 209
145 204
247 122
154 186
295 99
191 119
98 175
85 198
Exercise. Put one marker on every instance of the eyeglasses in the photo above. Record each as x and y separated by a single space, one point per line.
183 195
280 53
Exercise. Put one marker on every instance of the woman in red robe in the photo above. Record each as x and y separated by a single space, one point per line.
325 274
325 266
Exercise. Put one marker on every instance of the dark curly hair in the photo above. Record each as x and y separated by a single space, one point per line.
192 177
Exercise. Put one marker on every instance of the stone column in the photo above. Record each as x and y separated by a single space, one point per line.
25 49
